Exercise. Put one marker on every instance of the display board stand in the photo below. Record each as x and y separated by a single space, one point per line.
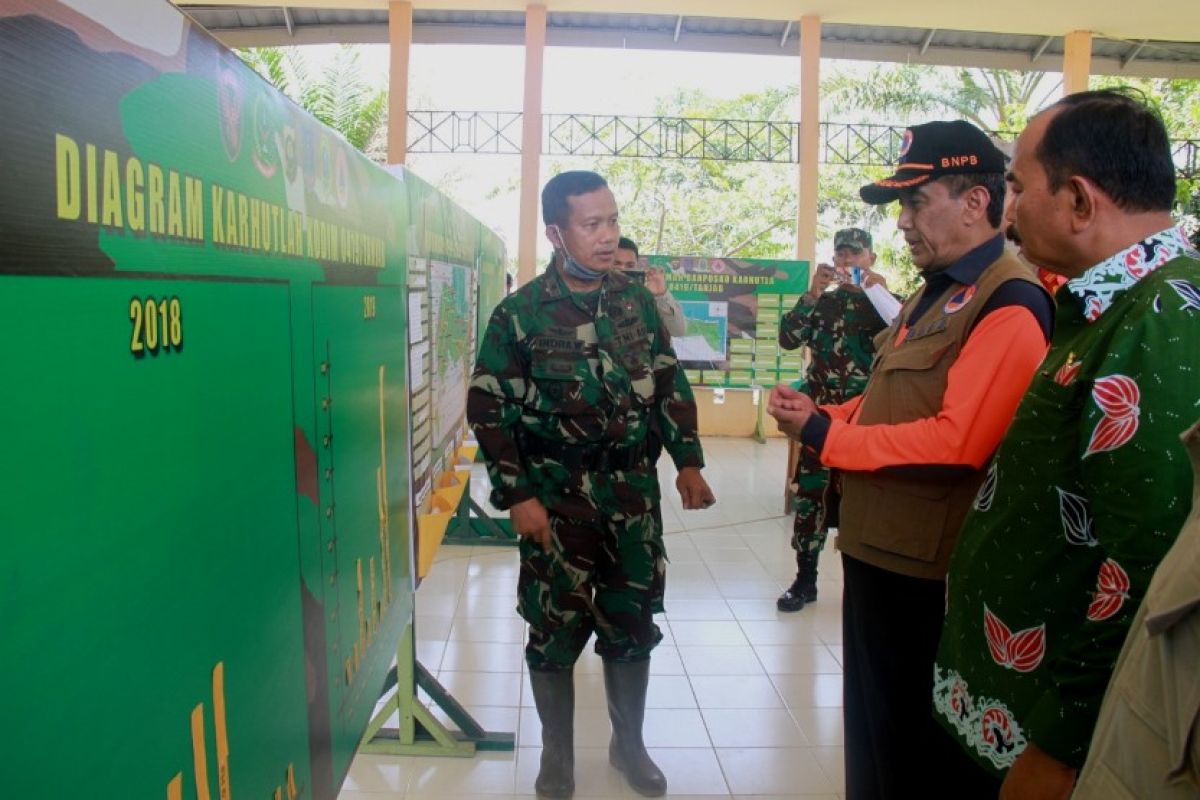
473 525
760 431
420 732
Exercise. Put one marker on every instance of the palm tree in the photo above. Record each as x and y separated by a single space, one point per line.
993 99
339 96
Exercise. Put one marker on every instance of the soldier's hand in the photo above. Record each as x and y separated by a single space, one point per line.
822 277
529 519
694 491
656 282
870 278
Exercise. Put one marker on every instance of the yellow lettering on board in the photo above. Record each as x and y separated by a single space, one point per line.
218 194
174 205
111 213
222 732
199 756
230 218
255 228
194 189
90 151
158 215
66 177
135 201
243 221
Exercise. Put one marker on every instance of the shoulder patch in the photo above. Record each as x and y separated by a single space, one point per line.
959 299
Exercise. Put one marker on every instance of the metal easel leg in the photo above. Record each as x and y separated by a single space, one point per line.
419 732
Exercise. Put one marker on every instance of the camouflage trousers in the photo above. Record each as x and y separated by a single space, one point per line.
606 576
808 527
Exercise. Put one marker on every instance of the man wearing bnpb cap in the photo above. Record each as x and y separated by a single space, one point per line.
948 375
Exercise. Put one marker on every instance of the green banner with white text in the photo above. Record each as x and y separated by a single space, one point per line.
733 307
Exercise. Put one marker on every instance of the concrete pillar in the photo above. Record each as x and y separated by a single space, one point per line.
400 26
1077 61
810 119
531 142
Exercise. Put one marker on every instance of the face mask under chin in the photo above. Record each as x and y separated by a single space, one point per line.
579 271
572 267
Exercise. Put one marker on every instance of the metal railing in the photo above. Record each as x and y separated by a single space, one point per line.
464 132
848 144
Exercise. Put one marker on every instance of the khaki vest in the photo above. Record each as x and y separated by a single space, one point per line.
900 524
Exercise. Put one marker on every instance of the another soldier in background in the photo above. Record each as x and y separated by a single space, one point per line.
574 366
839 329
668 307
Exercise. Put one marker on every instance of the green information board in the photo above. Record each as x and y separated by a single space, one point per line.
149 541
207 562
733 307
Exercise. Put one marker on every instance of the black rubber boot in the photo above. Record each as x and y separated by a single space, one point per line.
626 684
804 589
554 695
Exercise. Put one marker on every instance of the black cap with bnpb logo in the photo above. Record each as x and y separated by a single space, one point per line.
935 149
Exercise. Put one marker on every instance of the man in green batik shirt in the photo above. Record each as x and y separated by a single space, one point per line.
1091 483
839 329
574 367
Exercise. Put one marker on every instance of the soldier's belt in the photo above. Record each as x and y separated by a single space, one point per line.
589 457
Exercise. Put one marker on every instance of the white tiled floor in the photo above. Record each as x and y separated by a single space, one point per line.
744 701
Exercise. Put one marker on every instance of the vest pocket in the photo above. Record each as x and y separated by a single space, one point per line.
917 355
895 505
909 382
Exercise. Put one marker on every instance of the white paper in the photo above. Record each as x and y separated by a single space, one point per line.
417 354
416 320
883 300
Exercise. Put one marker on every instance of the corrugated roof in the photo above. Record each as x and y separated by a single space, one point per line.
243 26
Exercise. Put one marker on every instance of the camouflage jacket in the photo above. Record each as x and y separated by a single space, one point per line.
839 330
592 371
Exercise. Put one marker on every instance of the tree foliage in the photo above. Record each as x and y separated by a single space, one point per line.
992 99
338 94
748 209
1176 101
721 208
708 207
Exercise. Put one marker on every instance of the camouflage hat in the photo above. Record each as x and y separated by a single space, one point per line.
854 238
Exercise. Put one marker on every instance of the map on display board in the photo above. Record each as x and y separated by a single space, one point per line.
707 336
444 276
733 307
451 289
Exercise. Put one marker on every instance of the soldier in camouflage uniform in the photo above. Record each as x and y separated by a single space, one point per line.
574 367
839 328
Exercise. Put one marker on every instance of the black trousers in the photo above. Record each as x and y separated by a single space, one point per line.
891 625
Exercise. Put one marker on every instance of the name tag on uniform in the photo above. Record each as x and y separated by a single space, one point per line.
929 329
634 332
557 344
